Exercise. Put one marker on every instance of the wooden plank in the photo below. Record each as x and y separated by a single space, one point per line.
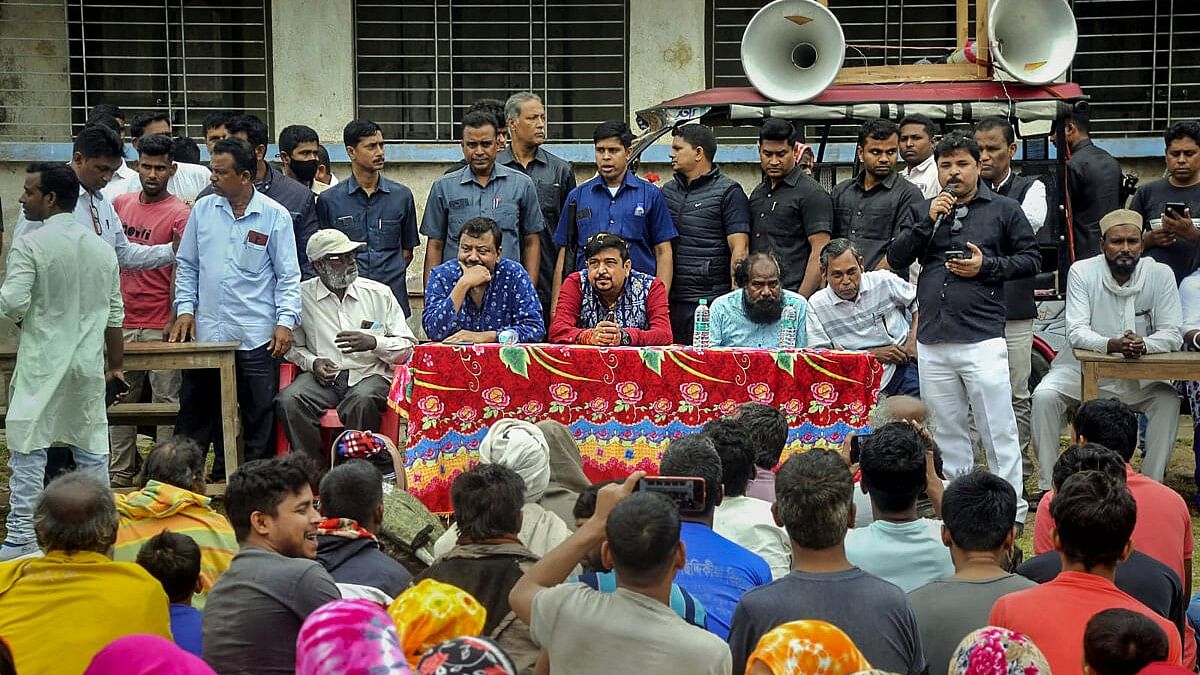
983 53
962 23
132 413
932 72
230 419
1090 387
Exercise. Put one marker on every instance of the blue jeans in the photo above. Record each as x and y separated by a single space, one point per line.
28 473
905 381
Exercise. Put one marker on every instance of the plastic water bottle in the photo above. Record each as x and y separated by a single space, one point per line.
788 325
508 336
701 335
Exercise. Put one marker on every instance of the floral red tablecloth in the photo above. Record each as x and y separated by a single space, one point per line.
622 404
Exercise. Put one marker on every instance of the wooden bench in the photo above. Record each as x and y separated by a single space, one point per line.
149 414
1095 366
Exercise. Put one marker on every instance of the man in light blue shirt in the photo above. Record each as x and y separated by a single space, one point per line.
245 288
485 189
751 315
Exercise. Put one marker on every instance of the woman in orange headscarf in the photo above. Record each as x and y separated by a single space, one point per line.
808 647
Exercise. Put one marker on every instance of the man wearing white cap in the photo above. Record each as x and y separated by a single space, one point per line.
352 335
1117 303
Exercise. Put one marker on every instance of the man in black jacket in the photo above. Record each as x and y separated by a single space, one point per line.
1093 184
352 504
969 241
712 215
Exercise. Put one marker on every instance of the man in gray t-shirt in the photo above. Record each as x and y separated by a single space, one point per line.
255 610
813 500
977 515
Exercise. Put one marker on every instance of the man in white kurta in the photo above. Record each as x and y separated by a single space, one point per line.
1117 303
63 290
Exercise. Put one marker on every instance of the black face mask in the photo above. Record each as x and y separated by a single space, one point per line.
304 171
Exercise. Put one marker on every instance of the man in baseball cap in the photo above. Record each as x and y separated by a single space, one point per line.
352 334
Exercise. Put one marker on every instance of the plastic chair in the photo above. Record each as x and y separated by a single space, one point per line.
331 424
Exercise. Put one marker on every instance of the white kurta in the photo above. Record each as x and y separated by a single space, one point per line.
1095 315
62 288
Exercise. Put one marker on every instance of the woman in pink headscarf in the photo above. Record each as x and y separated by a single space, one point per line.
349 637
805 158
146 655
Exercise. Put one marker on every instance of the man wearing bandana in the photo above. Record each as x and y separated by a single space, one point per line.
353 334
610 304
752 314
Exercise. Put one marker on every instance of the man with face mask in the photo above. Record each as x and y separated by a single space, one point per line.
353 334
480 295
750 315
608 303
1119 302
299 154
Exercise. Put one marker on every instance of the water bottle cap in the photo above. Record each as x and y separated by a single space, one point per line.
703 301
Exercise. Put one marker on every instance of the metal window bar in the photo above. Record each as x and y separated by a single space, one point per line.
185 58
1127 59
420 63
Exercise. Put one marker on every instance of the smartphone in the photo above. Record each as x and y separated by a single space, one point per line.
856 443
957 255
687 492
113 389
1177 207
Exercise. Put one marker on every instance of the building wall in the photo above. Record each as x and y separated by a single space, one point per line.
313 84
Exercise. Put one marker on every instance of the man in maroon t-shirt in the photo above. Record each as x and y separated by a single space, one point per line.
151 216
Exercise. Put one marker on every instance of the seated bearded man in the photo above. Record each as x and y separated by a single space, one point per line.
752 315
610 303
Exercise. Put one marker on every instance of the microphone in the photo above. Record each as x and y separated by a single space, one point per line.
942 216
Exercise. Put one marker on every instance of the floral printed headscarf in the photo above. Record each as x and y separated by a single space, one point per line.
349 637
810 647
433 612
467 656
997 651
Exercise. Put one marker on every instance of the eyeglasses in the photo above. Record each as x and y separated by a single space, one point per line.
959 214
95 215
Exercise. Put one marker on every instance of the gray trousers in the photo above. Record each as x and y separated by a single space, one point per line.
299 407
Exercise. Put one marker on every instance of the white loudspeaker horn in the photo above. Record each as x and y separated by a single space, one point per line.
1034 41
792 50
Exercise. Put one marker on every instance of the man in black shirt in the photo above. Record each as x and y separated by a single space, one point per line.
1093 184
712 215
1171 237
553 176
868 208
982 241
790 213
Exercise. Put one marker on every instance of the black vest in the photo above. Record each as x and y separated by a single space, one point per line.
701 252
1018 294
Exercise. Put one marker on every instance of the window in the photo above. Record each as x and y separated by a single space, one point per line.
1139 60
186 57
421 63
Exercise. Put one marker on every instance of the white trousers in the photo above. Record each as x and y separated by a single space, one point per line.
956 377
1158 400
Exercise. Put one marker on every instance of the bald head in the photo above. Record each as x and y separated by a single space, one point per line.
76 513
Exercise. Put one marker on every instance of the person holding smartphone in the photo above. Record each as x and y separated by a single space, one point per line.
1170 206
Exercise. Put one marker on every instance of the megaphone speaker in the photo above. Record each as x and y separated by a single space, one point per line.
1034 41
792 50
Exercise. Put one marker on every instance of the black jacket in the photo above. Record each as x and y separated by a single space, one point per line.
1094 184
359 561
706 211
1018 293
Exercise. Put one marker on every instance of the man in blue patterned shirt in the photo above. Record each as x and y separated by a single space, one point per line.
479 295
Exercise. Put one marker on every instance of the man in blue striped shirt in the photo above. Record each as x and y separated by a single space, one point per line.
245 288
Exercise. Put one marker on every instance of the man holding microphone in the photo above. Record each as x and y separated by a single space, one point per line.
969 241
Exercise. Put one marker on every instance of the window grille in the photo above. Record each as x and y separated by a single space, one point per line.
421 63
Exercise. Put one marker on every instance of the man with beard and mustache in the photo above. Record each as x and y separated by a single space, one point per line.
749 316
872 311
352 336
608 303
868 208
481 294
969 241
1118 302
